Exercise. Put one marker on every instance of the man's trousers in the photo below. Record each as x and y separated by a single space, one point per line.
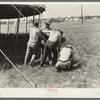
50 47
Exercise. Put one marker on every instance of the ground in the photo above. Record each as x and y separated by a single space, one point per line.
85 39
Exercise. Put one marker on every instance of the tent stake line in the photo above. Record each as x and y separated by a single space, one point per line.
31 85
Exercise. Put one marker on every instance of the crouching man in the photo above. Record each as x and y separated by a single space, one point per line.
65 58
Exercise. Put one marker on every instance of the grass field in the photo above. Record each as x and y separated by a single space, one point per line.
85 40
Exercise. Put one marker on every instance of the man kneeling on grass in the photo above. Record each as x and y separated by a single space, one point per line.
65 58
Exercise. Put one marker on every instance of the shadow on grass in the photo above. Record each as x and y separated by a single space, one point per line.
76 65
5 67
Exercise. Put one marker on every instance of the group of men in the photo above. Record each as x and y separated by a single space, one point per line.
46 43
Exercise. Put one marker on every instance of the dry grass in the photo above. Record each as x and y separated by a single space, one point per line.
86 42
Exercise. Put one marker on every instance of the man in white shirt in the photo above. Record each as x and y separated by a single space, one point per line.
33 45
52 44
65 58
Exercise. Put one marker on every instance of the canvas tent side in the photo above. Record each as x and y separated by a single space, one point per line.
10 11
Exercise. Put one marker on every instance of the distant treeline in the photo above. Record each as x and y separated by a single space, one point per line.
90 17
58 19
72 18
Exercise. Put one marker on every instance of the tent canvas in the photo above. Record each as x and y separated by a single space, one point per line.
8 11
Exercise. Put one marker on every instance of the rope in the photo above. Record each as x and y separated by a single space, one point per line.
36 9
54 14
31 85
49 10
40 17
40 12
18 10
51 13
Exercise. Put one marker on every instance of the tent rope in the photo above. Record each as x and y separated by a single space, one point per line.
36 9
39 11
18 10
18 70
40 17
52 12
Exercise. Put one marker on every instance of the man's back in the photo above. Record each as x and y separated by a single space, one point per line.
54 36
65 54
33 34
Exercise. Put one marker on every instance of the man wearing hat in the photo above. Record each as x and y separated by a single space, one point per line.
65 58
46 33
46 28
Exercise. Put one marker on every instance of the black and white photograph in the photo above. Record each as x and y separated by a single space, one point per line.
50 45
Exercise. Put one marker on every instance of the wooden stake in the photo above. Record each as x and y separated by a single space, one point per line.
17 31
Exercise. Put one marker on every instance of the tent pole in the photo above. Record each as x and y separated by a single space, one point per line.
17 31
0 26
8 26
82 13
33 16
26 24
26 19
39 21
33 19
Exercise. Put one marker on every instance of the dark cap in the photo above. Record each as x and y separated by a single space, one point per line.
36 24
47 24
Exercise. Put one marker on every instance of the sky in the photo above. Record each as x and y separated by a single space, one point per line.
68 10
63 10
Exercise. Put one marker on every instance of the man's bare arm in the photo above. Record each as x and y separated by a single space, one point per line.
72 59
41 36
59 44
